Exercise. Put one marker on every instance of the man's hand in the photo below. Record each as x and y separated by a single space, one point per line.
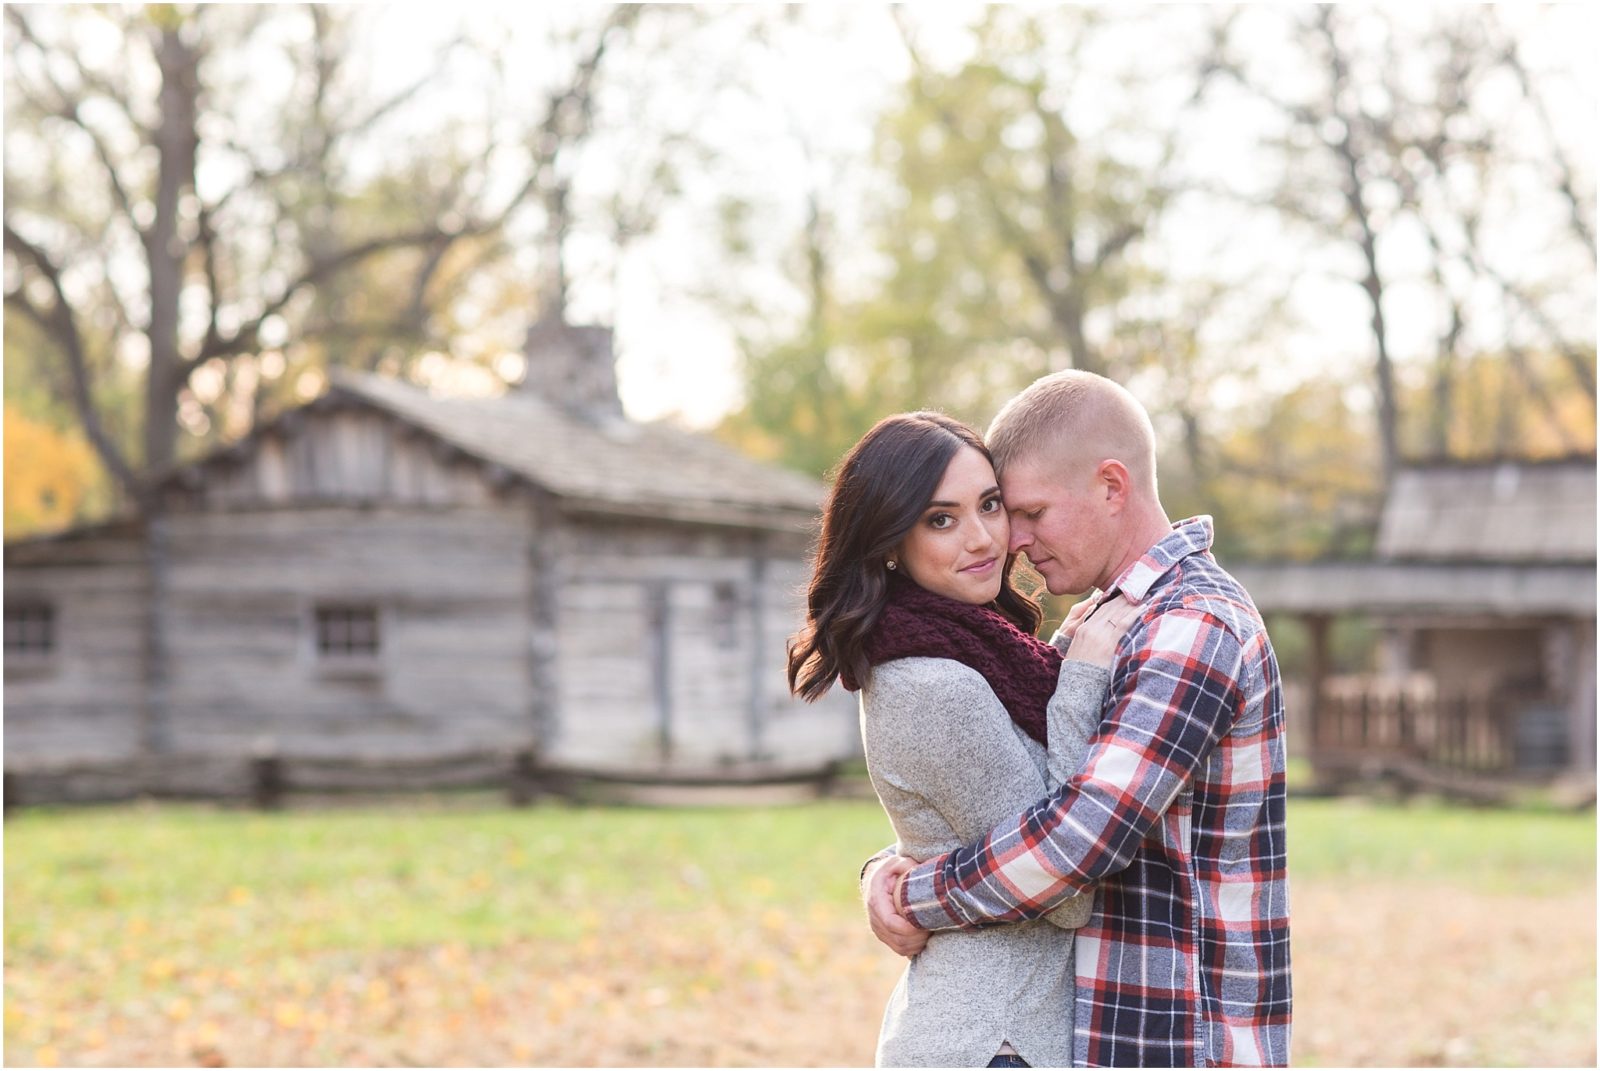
888 925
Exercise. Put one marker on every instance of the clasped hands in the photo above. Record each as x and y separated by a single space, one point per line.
888 925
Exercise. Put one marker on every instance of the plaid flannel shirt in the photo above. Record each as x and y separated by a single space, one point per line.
1176 819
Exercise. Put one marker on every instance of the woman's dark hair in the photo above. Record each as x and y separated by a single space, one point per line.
880 491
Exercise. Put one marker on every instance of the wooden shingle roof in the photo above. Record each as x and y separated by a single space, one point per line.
1507 511
613 467
1451 589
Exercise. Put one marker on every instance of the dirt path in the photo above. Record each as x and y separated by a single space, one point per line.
1429 977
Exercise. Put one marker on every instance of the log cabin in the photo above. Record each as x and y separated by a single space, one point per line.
1481 591
384 572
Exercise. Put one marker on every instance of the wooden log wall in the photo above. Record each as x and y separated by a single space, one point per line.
451 670
811 732
671 650
81 702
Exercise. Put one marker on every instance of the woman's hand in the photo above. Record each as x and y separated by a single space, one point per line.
1096 636
1075 616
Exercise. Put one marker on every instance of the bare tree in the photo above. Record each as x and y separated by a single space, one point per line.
1364 154
164 206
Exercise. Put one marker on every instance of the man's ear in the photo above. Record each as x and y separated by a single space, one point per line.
1115 483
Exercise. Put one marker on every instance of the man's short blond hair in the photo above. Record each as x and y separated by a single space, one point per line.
1075 420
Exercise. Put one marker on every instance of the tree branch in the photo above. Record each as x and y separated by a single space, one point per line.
206 238
244 338
1566 182
60 326
1574 358
64 106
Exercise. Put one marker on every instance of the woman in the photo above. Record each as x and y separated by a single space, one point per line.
911 601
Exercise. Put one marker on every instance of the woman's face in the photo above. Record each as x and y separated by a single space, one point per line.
958 546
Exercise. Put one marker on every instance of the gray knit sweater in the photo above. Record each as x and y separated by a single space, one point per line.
948 765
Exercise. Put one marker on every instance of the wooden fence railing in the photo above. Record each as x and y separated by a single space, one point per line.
1415 721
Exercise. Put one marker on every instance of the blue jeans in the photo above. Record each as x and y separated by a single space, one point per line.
1008 1061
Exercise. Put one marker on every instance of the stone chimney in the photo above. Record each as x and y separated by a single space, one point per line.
573 366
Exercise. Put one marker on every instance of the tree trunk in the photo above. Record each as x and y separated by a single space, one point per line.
1356 201
1388 409
176 138
1068 310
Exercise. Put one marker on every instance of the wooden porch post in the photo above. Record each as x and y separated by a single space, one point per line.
660 603
544 586
1581 699
1316 674
756 709
156 728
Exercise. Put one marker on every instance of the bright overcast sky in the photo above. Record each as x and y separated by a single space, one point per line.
677 357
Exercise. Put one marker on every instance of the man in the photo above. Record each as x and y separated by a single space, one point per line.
1176 819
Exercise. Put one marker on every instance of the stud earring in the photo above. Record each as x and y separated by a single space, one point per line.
892 564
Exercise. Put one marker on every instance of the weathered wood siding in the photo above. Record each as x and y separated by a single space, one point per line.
827 729
83 701
343 454
450 591
659 663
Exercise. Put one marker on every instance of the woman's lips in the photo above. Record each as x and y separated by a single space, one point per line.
979 568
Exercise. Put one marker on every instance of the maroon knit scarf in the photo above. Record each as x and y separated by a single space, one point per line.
1020 668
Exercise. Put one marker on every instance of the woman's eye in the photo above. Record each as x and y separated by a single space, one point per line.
991 505
941 520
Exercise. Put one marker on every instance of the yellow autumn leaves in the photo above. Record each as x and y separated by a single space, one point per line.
48 475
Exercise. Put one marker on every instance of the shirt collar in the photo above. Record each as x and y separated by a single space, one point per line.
1191 536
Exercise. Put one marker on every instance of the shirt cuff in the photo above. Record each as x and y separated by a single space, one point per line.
918 900
883 853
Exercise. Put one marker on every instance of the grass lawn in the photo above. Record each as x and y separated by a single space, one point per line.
459 932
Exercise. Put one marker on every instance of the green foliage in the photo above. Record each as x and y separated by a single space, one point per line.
249 886
800 411
253 885
1291 476
1351 645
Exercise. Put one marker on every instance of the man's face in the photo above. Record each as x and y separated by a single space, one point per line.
1060 522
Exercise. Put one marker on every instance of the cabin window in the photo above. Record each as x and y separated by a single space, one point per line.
347 632
725 614
30 629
